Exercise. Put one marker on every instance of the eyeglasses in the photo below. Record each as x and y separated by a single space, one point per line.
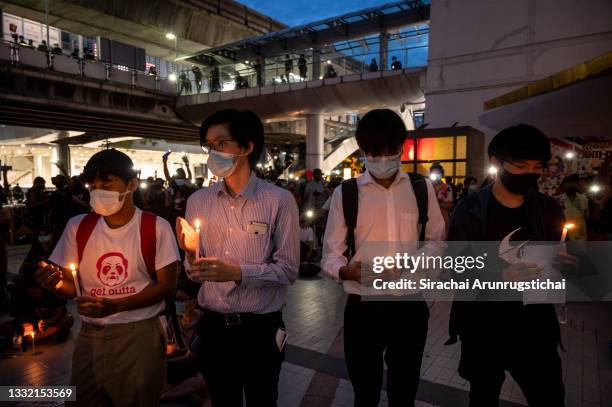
216 145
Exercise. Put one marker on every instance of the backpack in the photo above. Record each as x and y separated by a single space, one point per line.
350 199
148 248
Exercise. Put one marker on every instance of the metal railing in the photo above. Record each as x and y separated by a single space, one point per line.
83 66
227 78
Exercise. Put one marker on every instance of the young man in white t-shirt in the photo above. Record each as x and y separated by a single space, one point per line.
127 266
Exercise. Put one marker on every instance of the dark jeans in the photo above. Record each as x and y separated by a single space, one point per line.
535 366
395 330
241 357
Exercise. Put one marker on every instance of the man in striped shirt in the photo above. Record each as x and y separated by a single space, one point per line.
248 248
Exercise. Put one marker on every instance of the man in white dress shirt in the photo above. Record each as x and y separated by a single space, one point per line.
248 257
388 212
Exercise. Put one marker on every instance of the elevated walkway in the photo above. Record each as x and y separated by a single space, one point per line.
350 93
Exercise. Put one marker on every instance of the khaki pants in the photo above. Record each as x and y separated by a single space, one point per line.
119 364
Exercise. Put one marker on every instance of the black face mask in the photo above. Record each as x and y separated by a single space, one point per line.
519 184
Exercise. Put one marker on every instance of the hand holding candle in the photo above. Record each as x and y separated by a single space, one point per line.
566 228
188 235
33 344
197 230
77 287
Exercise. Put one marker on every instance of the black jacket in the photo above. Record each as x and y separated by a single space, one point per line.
469 223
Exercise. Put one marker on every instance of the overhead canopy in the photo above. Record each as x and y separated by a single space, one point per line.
573 102
320 33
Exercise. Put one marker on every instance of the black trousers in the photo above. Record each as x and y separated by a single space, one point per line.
393 331
241 357
535 366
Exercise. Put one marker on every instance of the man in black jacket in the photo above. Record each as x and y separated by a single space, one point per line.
508 336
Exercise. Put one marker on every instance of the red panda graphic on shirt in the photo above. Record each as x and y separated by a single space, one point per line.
112 269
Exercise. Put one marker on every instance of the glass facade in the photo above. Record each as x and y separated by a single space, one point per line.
450 151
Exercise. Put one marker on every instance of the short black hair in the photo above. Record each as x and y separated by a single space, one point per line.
380 131
520 143
109 162
243 126
437 166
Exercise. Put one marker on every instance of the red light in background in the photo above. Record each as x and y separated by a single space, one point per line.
408 150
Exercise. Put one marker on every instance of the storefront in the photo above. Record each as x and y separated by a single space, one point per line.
460 150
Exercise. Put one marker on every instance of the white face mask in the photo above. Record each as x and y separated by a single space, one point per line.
107 203
383 166
222 164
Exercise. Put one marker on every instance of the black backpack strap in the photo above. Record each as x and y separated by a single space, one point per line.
419 186
350 200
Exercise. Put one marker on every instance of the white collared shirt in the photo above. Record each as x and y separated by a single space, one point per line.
269 259
386 220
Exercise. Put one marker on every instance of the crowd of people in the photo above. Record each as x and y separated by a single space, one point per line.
55 49
222 256
194 80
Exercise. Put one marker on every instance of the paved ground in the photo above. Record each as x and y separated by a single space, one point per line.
314 373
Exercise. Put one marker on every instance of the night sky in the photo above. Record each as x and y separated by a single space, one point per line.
297 12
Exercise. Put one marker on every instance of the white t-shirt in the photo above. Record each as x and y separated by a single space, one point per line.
112 265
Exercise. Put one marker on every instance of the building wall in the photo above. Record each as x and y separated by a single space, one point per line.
480 49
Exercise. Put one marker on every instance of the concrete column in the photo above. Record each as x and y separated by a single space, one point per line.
316 64
260 71
314 141
383 52
63 156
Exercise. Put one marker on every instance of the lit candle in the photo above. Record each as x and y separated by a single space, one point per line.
28 328
566 227
197 230
77 287
33 343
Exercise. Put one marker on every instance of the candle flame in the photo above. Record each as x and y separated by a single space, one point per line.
197 223
72 267
27 328
568 226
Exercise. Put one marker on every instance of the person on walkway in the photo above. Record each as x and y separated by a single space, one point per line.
302 67
288 68
373 66
395 64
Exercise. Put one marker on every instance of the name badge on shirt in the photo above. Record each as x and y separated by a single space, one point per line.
257 228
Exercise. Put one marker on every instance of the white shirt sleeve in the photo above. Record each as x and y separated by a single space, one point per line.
334 241
167 249
435 228
66 250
